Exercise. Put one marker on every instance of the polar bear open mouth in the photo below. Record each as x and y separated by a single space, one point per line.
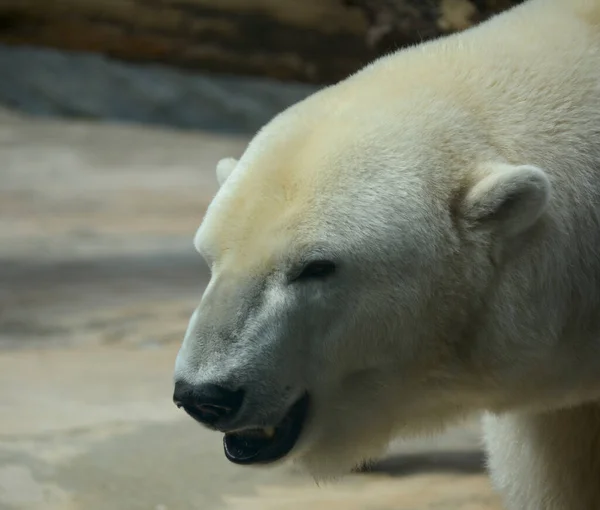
265 445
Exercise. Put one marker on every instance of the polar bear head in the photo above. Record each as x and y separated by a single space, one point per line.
352 249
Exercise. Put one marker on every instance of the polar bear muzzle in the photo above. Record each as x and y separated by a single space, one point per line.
218 408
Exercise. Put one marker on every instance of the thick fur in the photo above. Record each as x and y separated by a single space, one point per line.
456 185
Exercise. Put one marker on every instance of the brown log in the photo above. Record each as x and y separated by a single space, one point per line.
317 41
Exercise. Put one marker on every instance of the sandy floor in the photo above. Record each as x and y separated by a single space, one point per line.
98 278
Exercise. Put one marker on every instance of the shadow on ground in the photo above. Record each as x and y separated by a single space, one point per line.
407 464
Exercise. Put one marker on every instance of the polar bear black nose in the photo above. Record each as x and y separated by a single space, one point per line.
209 404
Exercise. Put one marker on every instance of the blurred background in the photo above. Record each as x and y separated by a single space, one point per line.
113 115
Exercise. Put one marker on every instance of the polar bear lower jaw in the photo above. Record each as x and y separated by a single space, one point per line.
269 444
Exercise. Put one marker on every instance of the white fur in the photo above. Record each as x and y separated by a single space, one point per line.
224 169
456 184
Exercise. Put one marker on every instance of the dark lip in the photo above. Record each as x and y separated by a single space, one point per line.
265 451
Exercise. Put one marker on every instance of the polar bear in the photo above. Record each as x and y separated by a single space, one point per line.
413 245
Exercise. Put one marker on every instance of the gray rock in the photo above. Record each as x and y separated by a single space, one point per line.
56 83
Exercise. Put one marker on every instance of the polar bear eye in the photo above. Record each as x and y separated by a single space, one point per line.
316 269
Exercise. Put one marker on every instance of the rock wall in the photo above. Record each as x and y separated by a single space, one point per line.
317 41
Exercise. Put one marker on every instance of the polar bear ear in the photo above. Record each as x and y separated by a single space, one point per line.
509 199
224 169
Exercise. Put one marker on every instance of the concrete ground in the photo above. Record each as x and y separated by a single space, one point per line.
98 278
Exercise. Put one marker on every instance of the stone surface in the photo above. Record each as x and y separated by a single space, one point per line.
98 278
59 83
